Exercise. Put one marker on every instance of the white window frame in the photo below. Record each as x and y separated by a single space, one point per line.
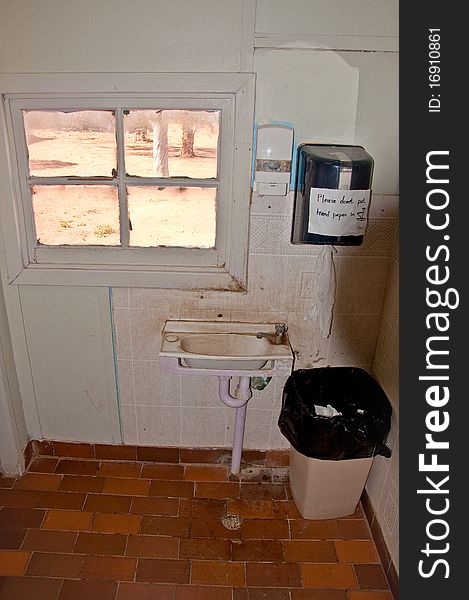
221 267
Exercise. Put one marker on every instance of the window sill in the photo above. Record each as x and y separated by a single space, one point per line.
214 278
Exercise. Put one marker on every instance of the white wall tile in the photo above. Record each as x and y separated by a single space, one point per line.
146 328
353 339
122 339
120 297
158 426
125 374
152 387
129 424
200 391
156 299
257 431
360 285
203 426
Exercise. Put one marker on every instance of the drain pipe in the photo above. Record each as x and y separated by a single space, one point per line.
239 402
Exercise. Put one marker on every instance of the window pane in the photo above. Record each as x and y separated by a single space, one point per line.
171 143
80 143
76 214
172 216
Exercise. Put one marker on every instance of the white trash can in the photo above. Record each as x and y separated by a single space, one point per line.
327 489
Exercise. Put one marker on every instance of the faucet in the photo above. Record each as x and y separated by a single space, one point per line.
277 338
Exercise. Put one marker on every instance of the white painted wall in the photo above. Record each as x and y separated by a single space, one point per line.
13 431
118 36
69 336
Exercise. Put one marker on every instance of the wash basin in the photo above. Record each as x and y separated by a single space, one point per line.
220 346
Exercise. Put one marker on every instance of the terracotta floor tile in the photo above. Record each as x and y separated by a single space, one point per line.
43 464
370 596
100 543
11 539
48 564
258 550
89 590
126 487
145 591
251 509
314 530
155 570
73 450
219 490
67 520
273 575
42 447
213 572
79 483
119 469
21 517
68 466
108 518
311 594
309 551
204 455
152 546
115 452
286 509
357 551
49 541
17 498
277 458
66 500
353 529
263 594
155 506
21 588
209 549
13 562
204 592
46 482
169 472
211 529
7 482
172 489
264 529
202 507
371 577
152 454
206 473
357 514
323 576
107 503
251 475
175 526
113 568
259 491
109 523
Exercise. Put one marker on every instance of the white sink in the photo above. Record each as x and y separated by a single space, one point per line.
221 346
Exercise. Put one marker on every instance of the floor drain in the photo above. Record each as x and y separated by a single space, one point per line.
231 522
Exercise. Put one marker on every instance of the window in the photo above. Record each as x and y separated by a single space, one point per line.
146 188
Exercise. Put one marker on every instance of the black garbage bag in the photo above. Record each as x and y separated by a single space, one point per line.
359 429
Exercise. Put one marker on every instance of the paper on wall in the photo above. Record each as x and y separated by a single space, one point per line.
338 212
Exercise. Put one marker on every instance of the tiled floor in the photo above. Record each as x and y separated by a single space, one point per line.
78 529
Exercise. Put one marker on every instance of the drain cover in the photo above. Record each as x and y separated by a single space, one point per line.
231 522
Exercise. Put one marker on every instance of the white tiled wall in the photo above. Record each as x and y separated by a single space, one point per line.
166 409
383 483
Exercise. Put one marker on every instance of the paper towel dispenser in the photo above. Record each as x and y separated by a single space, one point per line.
332 195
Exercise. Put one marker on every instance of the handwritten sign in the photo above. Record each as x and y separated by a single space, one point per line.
338 212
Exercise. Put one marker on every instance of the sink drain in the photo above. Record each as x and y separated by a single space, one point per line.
232 522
